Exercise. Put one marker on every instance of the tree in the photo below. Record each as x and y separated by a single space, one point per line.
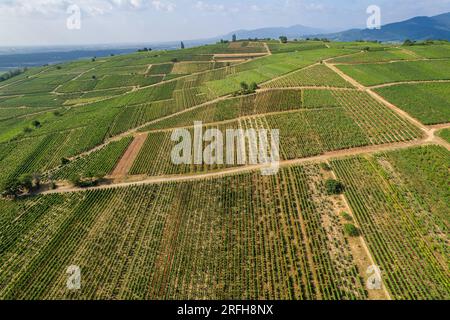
182 45
346 216
36 124
408 43
234 38
283 39
36 180
350 230
26 181
244 86
64 161
12 189
334 187
253 87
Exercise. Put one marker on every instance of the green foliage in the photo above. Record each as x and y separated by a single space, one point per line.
374 74
333 186
346 216
283 39
350 230
427 102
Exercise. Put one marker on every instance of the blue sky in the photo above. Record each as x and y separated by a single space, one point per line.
43 22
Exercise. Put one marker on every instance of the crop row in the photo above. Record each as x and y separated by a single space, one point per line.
237 237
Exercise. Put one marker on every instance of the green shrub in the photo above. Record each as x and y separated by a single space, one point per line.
334 187
346 216
350 230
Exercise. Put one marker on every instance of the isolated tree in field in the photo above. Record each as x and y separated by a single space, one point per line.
253 87
64 161
182 45
12 189
334 187
36 179
36 124
408 43
244 86
234 38
26 181
350 230
283 39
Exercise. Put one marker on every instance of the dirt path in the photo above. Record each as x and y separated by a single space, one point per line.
267 48
361 253
440 126
124 165
143 180
349 79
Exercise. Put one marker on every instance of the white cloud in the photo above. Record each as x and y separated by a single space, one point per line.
210 7
49 8
163 6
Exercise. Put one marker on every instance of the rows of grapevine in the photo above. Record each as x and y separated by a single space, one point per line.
378 122
358 120
238 237
374 74
268 101
397 236
44 152
97 164
374 56
427 102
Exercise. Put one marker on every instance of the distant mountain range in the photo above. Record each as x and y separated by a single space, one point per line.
418 28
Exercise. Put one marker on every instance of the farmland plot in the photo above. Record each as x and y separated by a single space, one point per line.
318 75
97 164
427 102
373 74
240 237
407 240
375 56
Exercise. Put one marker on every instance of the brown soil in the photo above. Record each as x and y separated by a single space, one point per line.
124 165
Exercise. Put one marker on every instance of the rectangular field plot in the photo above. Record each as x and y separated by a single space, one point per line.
237 237
358 120
375 56
95 165
431 51
427 102
445 134
373 74
400 202
276 47
318 75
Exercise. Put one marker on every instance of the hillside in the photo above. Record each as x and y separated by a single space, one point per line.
293 32
91 182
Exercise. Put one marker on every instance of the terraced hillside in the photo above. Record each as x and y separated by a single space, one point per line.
88 180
